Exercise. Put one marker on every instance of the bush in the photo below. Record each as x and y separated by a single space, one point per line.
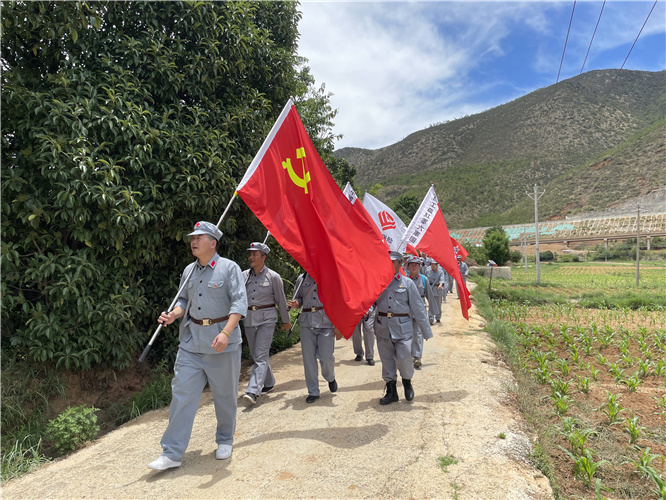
73 427
515 256
546 256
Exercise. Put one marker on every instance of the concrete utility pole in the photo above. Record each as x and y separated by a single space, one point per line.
536 229
524 244
638 242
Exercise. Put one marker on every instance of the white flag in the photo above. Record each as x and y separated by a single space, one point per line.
349 192
389 224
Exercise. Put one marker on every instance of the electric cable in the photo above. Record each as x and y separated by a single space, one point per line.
565 41
639 33
595 32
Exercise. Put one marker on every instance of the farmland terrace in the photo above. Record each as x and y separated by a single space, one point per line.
569 230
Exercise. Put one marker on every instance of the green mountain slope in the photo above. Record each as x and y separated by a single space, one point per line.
592 141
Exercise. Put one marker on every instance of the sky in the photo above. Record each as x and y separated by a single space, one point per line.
395 68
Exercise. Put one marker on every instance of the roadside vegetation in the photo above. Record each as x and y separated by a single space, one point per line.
588 351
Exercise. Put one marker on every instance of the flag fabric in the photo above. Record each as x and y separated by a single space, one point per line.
350 194
428 232
459 249
289 189
389 224
412 250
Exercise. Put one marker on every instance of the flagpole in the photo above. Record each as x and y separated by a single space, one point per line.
305 275
146 350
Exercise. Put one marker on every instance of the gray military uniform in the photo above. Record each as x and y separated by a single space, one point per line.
368 326
264 291
436 278
317 335
464 271
394 334
425 293
213 291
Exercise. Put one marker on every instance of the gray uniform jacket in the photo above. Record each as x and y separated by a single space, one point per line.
424 292
436 278
213 291
464 270
308 292
264 289
401 297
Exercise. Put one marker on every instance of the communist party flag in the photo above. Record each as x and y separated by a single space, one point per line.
428 233
459 249
289 189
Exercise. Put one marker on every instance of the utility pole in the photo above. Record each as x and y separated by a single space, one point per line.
525 246
536 229
638 241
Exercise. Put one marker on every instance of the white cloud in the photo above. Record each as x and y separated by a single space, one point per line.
397 67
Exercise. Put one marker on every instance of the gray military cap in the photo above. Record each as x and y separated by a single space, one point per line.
261 247
395 255
414 260
203 227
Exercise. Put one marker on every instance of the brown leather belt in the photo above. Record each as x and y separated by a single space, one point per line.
254 308
207 321
313 309
393 315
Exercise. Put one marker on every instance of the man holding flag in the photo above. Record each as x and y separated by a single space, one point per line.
399 309
428 232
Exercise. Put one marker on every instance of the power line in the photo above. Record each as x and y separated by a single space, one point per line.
595 32
639 33
565 41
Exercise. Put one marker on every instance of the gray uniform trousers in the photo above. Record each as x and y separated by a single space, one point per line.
396 355
317 343
368 338
259 339
435 309
192 371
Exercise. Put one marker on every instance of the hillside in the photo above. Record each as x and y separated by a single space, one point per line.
592 141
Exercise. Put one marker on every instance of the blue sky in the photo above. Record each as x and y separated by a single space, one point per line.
397 67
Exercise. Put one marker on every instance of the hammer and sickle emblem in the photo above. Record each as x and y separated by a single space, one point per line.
299 181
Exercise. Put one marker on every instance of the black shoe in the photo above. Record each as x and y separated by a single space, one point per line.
409 390
311 399
267 388
252 398
358 358
438 321
371 362
333 385
391 395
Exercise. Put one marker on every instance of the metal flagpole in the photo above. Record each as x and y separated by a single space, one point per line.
305 274
145 352
268 233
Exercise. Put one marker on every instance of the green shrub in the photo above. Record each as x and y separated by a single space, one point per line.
73 427
21 458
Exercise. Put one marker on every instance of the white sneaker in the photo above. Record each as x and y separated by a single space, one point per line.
163 462
223 451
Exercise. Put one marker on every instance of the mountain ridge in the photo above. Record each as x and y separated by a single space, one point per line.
482 164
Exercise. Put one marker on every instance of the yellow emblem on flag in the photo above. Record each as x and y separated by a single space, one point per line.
299 181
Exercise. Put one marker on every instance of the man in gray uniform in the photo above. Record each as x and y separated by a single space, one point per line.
317 337
464 272
211 304
425 292
367 323
438 282
397 305
264 290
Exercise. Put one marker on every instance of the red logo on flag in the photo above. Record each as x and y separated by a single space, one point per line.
386 221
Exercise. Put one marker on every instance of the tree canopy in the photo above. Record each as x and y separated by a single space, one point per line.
496 244
123 124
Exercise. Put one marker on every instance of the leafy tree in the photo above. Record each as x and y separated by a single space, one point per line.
496 245
123 123
406 206
375 189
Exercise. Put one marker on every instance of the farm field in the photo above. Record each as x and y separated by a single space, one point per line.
589 349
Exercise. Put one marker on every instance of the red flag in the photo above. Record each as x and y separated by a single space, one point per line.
412 250
429 233
289 189
459 249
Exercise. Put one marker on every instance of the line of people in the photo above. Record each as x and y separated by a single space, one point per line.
218 295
